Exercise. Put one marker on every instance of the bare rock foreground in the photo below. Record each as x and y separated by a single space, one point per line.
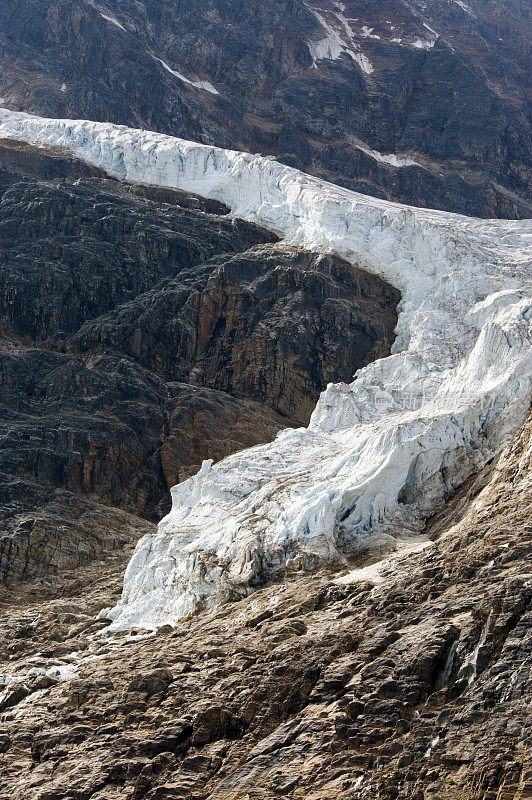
410 679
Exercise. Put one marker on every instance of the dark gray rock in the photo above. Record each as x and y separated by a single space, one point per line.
73 249
275 324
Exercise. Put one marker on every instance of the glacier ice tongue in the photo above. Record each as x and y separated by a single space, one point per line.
380 454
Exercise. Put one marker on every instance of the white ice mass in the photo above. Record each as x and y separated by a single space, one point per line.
381 453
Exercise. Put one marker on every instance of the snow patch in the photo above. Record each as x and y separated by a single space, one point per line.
394 159
456 387
332 46
325 49
465 7
424 44
366 33
363 62
112 20
60 672
208 87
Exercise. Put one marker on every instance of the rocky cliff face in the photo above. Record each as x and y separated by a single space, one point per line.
422 104
274 324
408 679
144 330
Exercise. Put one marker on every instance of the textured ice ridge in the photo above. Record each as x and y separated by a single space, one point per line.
380 454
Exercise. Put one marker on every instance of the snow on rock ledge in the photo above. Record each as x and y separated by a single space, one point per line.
379 455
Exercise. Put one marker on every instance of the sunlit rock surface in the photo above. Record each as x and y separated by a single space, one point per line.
410 682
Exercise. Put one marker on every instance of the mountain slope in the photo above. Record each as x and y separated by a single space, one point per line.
381 454
425 104
407 681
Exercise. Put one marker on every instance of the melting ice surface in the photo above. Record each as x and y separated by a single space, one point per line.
381 453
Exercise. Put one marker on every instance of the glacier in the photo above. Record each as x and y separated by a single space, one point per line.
380 454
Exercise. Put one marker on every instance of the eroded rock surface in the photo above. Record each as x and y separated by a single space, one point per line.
275 324
408 681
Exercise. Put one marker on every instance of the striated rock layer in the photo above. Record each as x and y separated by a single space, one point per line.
381 454
405 680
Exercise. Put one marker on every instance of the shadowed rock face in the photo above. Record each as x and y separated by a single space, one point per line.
409 683
318 84
274 323
143 331
74 250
